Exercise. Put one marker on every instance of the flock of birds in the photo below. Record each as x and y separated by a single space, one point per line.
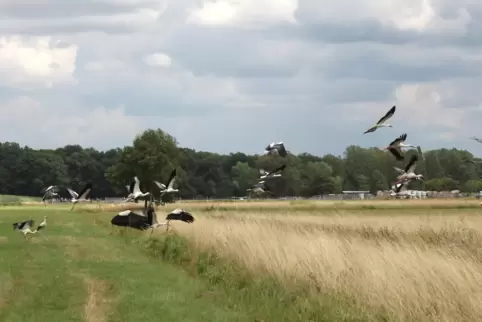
147 218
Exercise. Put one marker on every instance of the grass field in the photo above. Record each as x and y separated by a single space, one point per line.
407 260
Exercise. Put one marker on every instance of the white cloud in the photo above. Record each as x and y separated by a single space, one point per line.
245 12
36 62
46 126
158 60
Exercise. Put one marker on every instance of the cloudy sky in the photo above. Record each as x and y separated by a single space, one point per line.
235 75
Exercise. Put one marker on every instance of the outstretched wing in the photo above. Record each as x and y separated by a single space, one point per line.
179 214
387 116
277 170
281 149
72 193
412 164
85 191
399 170
398 140
172 179
397 153
160 185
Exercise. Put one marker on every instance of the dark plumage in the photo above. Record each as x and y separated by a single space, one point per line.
182 215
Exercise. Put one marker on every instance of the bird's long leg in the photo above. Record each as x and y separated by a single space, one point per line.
152 230
167 225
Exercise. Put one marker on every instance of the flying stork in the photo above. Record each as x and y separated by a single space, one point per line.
25 227
381 122
136 190
395 147
273 174
130 193
476 139
77 197
176 214
169 186
400 190
409 172
276 148
49 194
258 188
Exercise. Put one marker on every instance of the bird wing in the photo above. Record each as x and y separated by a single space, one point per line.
179 214
387 116
72 193
399 140
281 149
412 164
270 147
476 139
399 170
372 129
160 185
262 172
172 179
136 189
397 153
49 188
400 186
85 191
277 170
132 220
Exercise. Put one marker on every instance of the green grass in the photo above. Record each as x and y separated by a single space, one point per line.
16 200
75 271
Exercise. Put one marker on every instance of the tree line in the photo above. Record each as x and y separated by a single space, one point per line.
154 153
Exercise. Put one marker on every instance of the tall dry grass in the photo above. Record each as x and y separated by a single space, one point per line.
416 268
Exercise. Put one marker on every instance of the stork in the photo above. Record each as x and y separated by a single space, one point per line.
169 186
77 197
130 193
273 174
276 148
25 227
476 139
258 188
49 194
176 214
136 191
409 172
400 190
395 147
381 122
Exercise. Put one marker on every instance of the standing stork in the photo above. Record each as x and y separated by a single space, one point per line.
381 122
409 172
395 147
77 197
273 174
276 148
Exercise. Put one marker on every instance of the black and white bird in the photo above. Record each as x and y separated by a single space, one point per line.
400 190
25 227
476 139
276 148
381 122
136 190
50 193
42 225
409 172
132 219
169 186
130 192
395 147
258 188
273 174
81 196
176 214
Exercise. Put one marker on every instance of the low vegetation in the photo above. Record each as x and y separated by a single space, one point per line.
249 262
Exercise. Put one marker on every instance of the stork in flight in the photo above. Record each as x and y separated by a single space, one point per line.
25 227
273 174
258 188
381 122
135 190
476 139
409 172
169 186
49 194
176 214
395 147
82 196
276 148
400 190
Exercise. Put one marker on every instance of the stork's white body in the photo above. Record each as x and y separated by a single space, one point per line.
137 193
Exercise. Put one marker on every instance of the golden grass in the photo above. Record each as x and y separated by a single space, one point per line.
416 268
98 302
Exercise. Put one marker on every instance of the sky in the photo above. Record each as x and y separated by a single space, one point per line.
235 75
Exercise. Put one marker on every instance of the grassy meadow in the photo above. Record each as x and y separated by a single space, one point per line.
399 260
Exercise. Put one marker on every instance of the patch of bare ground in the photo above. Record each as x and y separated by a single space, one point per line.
398 265
99 301
3 239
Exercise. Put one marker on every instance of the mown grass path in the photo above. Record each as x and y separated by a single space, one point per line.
76 271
